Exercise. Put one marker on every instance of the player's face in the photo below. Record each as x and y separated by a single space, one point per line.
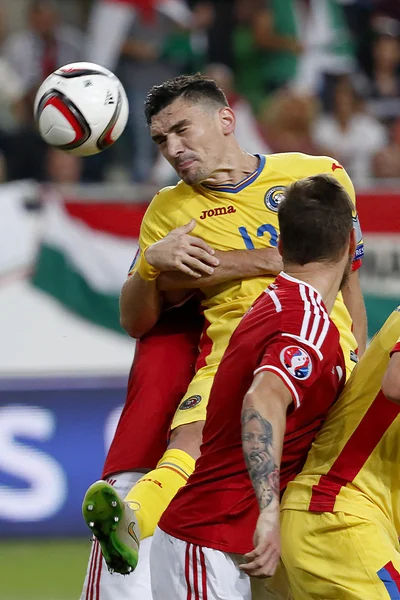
191 137
255 441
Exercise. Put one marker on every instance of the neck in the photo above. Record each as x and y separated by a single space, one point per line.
233 167
323 277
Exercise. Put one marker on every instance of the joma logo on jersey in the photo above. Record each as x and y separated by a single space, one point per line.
216 212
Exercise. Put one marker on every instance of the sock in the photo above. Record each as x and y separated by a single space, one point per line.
155 490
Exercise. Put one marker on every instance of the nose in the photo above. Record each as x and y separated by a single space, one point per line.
174 146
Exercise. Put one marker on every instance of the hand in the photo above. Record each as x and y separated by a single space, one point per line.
179 251
263 560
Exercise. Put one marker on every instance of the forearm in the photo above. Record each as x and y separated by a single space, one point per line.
353 299
140 305
233 264
264 464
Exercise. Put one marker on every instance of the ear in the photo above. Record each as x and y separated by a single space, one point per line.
280 247
353 242
227 119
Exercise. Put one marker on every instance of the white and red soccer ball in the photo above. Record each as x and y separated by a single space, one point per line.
81 108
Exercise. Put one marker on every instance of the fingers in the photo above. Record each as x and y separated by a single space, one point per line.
203 256
188 227
262 566
188 271
196 265
195 241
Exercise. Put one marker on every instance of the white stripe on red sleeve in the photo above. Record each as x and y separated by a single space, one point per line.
285 379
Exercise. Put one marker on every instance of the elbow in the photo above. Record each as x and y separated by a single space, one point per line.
392 393
391 379
131 327
393 397
391 387
137 327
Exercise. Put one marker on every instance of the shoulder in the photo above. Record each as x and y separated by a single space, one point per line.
298 165
304 312
167 202
171 196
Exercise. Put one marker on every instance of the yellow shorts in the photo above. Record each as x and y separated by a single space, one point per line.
336 556
214 341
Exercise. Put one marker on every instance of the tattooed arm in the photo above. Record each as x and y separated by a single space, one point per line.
263 430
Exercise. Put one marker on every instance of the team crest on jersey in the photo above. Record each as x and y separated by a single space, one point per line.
190 402
297 361
274 197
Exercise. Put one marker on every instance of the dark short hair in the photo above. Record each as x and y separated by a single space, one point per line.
193 88
315 220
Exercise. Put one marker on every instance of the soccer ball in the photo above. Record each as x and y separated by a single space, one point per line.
81 108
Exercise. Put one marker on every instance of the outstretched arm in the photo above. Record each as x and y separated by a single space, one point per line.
233 264
263 430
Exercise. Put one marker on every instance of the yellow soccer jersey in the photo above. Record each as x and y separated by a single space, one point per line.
238 217
353 465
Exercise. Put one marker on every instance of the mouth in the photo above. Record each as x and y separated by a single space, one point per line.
186 164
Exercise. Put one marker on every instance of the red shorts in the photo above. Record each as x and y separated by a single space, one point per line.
162 369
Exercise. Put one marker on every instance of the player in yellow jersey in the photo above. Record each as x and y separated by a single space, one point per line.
341 515
216 231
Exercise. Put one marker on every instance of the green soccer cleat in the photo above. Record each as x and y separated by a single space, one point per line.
113 523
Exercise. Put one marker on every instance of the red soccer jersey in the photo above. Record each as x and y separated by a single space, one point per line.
163 367
287 331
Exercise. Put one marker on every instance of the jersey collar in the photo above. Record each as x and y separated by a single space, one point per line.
299 281
238 187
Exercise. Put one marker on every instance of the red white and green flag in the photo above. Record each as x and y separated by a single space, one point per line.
86 251
85 254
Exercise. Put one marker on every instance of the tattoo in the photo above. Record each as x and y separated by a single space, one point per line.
257 437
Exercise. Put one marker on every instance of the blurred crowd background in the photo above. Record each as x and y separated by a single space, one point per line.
315 76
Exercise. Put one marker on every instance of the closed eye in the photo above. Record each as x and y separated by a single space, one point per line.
159 140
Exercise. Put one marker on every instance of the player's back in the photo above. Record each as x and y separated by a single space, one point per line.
353 465
281 335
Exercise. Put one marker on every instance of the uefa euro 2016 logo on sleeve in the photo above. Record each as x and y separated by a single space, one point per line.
297 361
274 196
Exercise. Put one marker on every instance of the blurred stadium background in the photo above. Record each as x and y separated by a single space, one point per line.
317 76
